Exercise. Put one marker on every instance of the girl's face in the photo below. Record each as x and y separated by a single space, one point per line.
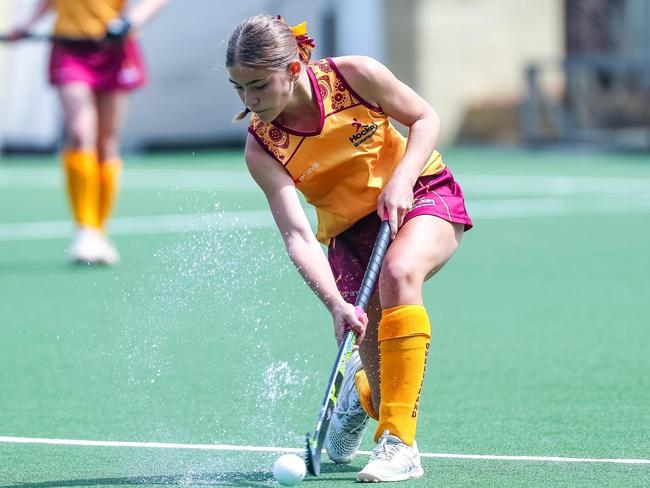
264 92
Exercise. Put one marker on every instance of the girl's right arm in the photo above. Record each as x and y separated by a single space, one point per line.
41 8
302 246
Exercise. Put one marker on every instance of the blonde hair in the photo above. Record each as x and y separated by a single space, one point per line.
266 42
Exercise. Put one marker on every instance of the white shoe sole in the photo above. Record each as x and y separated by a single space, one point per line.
346 460
373 478
84 258
106 256
109 259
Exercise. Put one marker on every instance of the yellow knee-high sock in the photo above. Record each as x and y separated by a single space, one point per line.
82 177
363 390
404 335
109 175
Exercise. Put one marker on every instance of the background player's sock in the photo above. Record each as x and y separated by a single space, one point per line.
109 175
82 178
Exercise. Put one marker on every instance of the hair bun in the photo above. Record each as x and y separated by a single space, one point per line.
305 42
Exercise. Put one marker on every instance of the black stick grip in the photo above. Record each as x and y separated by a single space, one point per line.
374 265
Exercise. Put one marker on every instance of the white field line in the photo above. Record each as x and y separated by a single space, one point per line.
553 185
154 224
501 208
161 179
137 179
261 219
231 447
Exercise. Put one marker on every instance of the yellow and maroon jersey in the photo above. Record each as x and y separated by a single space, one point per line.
85 18
342 166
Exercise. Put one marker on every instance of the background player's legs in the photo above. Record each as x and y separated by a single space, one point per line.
79 154
111 108
80 112
81 167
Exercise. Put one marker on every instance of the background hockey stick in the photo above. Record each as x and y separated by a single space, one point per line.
51 38
315 441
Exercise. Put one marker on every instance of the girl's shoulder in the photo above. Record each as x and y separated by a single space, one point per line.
356 67
362 74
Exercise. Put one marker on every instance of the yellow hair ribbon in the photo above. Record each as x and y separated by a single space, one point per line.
300 29
300 32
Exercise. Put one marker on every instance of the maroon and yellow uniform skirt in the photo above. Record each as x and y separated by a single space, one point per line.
102 66
348 254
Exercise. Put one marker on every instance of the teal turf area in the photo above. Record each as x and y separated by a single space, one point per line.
205 333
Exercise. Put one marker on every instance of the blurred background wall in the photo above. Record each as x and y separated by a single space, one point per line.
467 58
496 70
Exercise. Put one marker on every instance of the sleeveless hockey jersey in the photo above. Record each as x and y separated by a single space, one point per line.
342 166
85 18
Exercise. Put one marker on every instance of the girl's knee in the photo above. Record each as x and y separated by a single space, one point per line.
108 147
400 272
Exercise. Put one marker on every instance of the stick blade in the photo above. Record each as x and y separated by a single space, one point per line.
312 455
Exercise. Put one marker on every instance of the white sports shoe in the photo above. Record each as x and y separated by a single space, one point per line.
85 248
349 419
90 246
107 253
392 460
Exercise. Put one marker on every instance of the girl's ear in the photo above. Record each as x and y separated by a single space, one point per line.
294 67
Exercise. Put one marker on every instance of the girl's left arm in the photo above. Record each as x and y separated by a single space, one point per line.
376 84
144 11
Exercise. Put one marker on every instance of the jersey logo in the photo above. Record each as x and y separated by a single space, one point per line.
362 133
309 171
357 125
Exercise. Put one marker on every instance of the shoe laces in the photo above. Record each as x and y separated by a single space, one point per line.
387 447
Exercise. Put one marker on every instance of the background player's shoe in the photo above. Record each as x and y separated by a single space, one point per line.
85 248
349 420
90 246
107 253
392 460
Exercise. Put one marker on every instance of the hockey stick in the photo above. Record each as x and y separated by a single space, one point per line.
51 38
315 441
